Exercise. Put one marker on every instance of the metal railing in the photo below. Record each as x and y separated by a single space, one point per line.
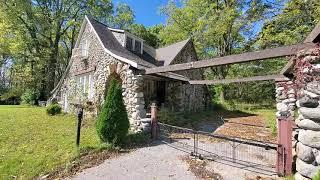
250 154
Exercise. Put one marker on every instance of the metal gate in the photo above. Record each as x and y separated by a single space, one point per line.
248 154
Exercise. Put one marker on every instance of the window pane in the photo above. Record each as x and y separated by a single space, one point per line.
84 84
137 46
129 43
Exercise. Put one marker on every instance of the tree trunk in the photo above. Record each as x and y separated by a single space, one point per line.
222 99
51 72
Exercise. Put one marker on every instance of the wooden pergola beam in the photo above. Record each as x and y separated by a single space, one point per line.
233 59
277 77
287 68
314 36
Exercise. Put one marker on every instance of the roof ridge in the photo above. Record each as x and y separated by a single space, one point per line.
186 40
168 54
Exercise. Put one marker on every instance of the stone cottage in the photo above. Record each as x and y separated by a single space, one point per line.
102 53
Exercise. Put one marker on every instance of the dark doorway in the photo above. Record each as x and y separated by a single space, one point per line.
161 92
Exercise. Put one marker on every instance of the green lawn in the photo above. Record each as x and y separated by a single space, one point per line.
33 143
270 116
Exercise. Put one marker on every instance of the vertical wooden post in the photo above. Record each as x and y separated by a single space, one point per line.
284 158
154 121
80 116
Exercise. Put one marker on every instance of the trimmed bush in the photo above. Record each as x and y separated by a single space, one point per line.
54 109
113 123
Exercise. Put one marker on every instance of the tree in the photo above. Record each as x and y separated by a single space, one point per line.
150 34
113 123
292 25
48 29
124 16
218 28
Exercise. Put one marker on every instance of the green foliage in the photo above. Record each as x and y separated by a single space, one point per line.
29 97
35 144
113 123
12 97
219 28
167 116
35 35
292 25
53 109
317 176
134 140
150 34
124 16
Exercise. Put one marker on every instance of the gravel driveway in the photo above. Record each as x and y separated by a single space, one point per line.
165 161
158 161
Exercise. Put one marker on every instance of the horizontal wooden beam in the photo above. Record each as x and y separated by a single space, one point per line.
288 67
314 36
233 59
277 77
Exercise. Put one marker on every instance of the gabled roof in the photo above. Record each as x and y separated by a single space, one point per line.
167 54
113 47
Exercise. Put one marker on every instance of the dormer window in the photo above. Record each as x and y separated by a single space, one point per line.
129 43
137 46
134 44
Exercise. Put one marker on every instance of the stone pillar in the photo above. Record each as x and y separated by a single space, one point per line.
285 98
137 103
307 148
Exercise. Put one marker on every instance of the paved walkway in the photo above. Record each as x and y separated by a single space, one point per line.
156 162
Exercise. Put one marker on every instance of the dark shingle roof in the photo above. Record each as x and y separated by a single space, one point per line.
168 53
112 44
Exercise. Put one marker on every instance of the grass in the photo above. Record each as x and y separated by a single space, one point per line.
33 143
190 120
270 116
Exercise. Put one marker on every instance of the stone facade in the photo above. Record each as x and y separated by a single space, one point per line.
101 65
183 96
307 138
304 94
92 67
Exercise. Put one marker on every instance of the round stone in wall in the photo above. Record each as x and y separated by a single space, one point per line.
306 101
309 138
298 176
306 169
304 153
308 124
314 87
282 107
310 113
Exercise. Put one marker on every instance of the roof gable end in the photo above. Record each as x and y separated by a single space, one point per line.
169 53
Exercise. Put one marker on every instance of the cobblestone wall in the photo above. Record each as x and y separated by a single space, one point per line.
182 96
105 65
307 144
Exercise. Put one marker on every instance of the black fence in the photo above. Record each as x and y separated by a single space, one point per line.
249 154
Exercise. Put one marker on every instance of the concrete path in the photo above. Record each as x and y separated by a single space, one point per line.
159 161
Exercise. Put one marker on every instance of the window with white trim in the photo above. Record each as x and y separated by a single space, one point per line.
86 85
134 44
85 48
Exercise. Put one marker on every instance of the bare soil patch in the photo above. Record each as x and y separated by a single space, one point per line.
86 160
251 127
198 168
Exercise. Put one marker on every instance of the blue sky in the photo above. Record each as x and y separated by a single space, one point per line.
146 11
